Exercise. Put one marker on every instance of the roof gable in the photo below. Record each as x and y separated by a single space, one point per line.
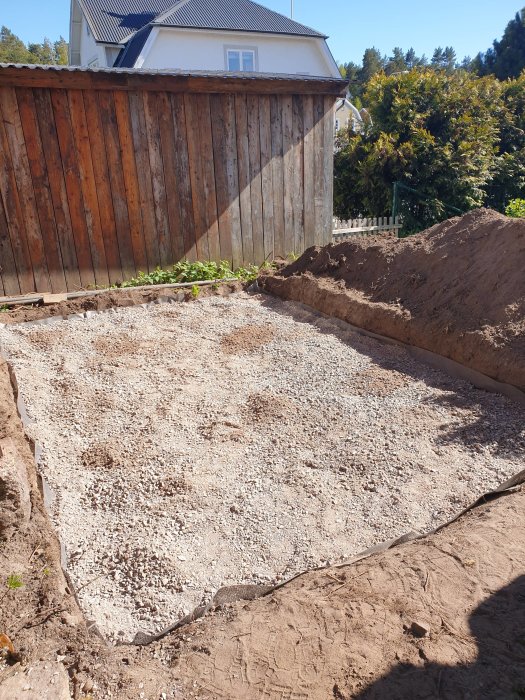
113 21
234 15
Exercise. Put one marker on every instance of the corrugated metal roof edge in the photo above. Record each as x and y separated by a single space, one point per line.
239 31
178 73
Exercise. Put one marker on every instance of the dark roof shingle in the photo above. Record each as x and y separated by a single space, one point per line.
236 15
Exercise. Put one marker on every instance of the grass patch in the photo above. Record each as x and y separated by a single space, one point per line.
185 272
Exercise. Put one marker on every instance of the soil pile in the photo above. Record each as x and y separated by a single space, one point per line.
457 289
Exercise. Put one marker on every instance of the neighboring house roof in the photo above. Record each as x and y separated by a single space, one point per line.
235 15
113 21
128 56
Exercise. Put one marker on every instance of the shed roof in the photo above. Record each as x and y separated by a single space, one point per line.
75 77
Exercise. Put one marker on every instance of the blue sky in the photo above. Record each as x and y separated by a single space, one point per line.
353 25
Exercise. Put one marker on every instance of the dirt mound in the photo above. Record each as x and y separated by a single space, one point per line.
457 289
247 338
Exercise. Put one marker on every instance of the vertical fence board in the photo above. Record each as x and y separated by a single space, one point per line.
276 129
309 171
288 174
87 182
167 145
298 175
118 137
114 196
44 204
16 144
182 170
266 175
208 247
107 213
57 187
147 202
319 146
243 164
220 156
8 272
157 177
195 170
328 169
73 186
254 152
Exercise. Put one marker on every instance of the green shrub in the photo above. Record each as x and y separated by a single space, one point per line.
184 272
516 208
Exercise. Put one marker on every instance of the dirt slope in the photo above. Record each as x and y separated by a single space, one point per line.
457 289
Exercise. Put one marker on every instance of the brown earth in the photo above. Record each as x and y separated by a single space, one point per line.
439 617
109 300
457 289
442 616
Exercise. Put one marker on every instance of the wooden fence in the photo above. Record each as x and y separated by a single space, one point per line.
104 174
341 230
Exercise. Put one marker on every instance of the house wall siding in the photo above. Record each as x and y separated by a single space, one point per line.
205 50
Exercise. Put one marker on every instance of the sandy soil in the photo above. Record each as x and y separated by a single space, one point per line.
241 440
457 289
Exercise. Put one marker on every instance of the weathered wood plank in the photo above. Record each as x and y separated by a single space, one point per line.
182 173
108 116
76 204
319 169
328 168
221 179
24 185
57 187
89 190
147 201
157 177
208 247
266 175
254 151
44 204
298 176
277 174
125 181
309 171
168 149
9 277
288 174
243 163
191 109
108 215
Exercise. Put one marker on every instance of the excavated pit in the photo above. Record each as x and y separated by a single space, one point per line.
240 440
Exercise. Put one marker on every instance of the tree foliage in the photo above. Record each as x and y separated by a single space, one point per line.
506 58
13 50
436 132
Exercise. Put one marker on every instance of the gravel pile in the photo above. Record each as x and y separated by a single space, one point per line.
240 440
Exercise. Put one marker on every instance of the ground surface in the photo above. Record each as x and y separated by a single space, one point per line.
457 289
241 440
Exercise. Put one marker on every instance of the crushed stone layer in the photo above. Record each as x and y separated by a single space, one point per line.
240 440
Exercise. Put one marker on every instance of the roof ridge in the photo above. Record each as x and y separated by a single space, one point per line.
172 13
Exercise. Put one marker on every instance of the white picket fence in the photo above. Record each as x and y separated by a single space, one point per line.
341 230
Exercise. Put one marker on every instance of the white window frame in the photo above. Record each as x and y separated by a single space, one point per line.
240 49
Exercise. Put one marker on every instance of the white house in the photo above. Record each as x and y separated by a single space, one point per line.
195 35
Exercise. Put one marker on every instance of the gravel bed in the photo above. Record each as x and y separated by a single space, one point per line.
240 440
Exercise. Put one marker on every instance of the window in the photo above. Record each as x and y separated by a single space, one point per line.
241 59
